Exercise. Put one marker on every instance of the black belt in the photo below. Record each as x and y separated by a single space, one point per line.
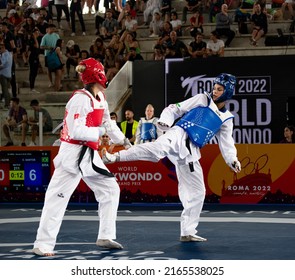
95 168
191 164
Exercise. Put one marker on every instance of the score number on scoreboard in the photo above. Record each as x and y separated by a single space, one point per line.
24 170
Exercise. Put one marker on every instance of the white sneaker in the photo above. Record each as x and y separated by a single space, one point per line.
32 144
73 34
84 34
34 91
109 158
153 35
51 85
192 238
108 243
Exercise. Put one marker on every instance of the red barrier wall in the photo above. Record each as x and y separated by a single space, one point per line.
267 177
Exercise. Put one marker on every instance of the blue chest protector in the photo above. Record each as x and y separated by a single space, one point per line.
202 123
148 131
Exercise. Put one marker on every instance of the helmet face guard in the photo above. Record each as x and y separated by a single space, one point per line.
94 72
228 81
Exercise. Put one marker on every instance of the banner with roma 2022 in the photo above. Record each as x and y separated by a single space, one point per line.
267 176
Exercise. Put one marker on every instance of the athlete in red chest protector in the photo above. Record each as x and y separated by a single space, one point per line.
86 118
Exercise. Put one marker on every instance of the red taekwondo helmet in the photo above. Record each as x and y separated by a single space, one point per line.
94 72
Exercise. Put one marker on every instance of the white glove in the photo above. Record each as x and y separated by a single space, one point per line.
236 166
127 144
109 125
163 126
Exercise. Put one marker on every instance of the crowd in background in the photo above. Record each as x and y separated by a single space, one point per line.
26 24
29 33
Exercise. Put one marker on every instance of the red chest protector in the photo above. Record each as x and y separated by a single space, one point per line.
93 119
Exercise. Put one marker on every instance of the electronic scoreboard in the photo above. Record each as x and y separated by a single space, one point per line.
24 171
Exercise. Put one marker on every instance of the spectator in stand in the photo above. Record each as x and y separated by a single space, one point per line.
114 117
178 45
133 55
10 45
34 121
48 43
72 54
75 8
165 9
170 52
14 18
6 61
147 129
11 5
59 71
109 26
129 25
289 134
131 42
128 8
35 13
17 119
83 55
99 19
288 5
196 24
42 25
46 14
62 6
140 5
97 50
10 26
150 7
159 53
118 46
259 23
107 143
215 46
22 37
129 126
197 48
156 25
214 9
28 24
112 64
191 6
104 141
165 34
223 23
34 51
176 23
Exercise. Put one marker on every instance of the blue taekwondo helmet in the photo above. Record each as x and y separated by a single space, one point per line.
229 83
